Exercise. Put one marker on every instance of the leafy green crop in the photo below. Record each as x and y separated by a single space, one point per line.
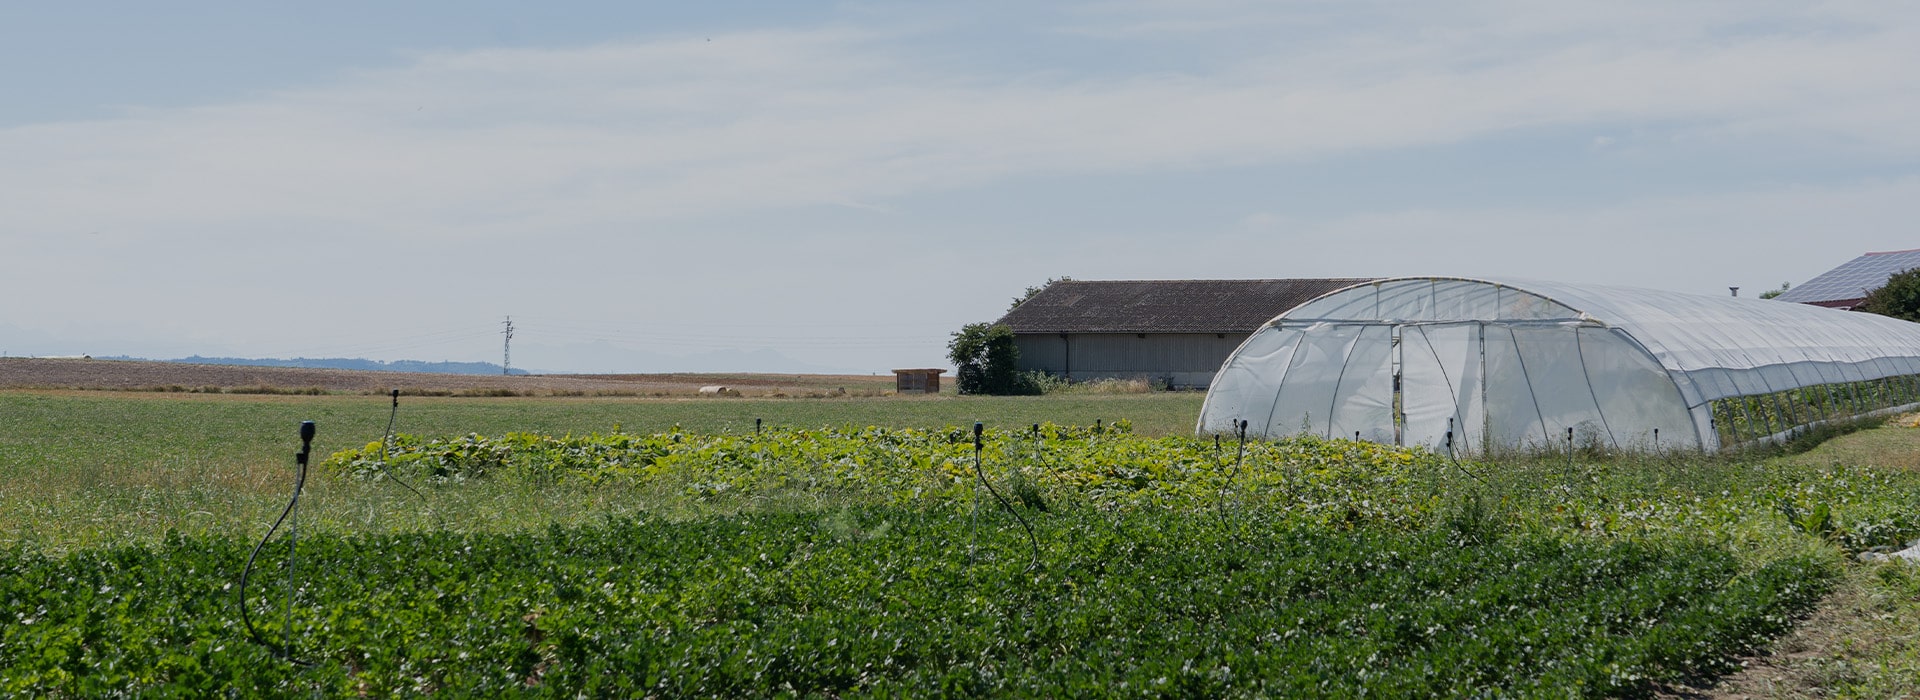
1330 482
871 562
1319 480
900 601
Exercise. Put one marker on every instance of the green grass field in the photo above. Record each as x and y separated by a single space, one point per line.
90 478
92 468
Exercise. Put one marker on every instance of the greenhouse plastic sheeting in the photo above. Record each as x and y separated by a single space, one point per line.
1517 364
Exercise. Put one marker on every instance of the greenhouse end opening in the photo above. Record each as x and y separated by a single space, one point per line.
1522 365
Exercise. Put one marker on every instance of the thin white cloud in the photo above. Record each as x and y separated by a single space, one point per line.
1695 243
634 151
505 140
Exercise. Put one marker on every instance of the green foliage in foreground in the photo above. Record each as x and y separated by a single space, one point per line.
1306 479
902 601
90 469
868 530
1328 480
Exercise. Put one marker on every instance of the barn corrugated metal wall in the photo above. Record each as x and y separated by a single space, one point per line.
1178 360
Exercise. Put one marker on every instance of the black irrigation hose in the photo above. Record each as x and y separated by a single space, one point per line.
1455 461
1038 442
285 651
1220 504
1032 538
388 437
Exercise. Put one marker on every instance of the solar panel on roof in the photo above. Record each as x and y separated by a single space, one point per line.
1853 279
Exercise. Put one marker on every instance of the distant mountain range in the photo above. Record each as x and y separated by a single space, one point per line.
344 363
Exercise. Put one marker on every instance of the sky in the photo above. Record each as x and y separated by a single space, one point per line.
837 187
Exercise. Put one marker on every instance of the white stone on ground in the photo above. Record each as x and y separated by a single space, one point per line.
1911 554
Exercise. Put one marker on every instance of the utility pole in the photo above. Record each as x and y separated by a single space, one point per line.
506 348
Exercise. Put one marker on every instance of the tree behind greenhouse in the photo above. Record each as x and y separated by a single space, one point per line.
1899 298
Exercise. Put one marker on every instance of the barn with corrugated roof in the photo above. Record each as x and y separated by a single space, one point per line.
1846 286
1175 333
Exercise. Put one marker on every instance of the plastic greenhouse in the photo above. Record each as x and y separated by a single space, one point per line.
1473 366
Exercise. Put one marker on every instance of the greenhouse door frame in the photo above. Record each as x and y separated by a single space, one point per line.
1437 375
1399 410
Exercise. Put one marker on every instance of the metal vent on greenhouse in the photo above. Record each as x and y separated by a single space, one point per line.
1481 366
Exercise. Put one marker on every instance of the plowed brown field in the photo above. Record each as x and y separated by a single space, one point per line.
122 375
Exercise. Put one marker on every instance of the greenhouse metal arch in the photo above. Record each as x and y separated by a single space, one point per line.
1477 366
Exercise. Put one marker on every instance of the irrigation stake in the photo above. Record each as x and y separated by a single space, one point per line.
1220 504
1036 448
293 533
973 513
285 651
1569 449
1240 453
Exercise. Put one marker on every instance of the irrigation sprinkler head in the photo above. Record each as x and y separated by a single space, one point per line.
978 429
396 398
306 443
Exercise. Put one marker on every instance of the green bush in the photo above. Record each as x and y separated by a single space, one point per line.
1899 297
986 361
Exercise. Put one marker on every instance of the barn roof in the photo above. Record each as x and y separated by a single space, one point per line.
1852 280
1164 306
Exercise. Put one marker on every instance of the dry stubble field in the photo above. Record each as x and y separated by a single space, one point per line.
122 375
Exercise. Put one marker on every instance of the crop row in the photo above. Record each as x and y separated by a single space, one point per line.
888 600
1106 467
1307 479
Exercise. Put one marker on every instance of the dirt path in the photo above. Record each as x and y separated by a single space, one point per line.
1864 638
